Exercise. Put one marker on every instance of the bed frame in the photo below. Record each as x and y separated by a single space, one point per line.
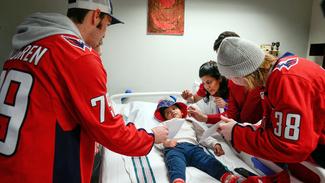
118 168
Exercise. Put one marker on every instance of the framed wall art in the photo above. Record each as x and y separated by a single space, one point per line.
166 17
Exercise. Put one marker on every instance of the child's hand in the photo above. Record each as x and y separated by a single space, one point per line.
197 114
161 134
187 95
218 150
170 143
220 102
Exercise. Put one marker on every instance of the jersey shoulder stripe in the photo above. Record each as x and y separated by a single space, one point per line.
76 42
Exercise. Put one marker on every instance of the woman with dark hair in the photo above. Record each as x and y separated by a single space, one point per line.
210 69
207 72
240 103
213 84
244 105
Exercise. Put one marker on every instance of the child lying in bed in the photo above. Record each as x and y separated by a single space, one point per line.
183 149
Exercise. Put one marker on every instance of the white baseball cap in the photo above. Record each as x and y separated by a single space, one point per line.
104 6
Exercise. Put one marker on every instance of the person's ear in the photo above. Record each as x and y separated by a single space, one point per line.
96 17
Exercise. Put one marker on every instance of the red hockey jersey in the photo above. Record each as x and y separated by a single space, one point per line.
294 107
53 107
243 105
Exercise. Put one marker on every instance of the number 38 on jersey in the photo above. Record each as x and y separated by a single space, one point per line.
290 123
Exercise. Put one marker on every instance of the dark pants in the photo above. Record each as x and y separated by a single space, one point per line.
96 167
318 155
186 154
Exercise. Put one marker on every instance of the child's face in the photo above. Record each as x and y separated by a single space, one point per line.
172 112
211 84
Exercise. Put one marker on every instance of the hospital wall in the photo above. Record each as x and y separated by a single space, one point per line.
317 29
141 62
160 63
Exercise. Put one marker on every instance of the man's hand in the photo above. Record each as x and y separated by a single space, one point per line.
161 133
170 143
218 150
225 127
197 114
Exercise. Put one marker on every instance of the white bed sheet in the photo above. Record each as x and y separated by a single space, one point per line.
151 168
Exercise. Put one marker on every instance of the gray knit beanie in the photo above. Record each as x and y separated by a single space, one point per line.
238 57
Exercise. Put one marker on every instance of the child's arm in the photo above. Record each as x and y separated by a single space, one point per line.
167 143
170 143
161 146
213 144
209 142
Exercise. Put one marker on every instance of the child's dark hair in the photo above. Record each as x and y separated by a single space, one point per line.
162 110
210 69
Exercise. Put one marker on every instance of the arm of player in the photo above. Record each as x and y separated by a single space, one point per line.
233 111
87 87
289 134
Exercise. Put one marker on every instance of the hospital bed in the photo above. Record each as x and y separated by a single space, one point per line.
139 109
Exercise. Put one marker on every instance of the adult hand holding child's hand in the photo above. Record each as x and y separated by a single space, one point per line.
170 143
161 134
197 114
